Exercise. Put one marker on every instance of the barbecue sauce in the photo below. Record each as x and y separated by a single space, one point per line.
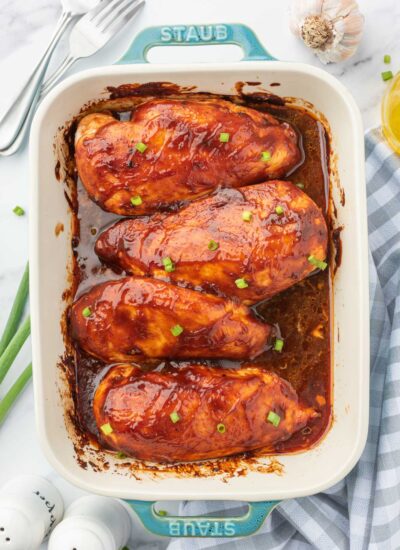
302 314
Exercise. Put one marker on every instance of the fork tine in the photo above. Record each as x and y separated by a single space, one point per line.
106 10
116 25
116 13
93 13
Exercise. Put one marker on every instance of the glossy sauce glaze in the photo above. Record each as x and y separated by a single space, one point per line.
269 249
301 313
137 318
214 412
182 152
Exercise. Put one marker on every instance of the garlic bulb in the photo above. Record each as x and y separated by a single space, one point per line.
332 28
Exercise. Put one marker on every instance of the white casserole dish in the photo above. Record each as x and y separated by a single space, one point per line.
306 472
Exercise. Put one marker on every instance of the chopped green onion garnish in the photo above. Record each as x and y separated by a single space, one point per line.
221 428
141 147
318 263
121 455
19 211
279 210
174 416
106 429
136 201
162 513
241 283
212 245
169 265
176 330
266 156
386 75
387 59
278 344
247 215
87 312
273 418
300 185
224 137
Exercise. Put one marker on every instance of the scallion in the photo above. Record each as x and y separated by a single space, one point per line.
106 429
387 59
12 340
169 265
224 137
241 283
273 418
141 147
136 201
10 397
279 210
16 312
318 263
176 330
247 215
266 156
387 75
221 428
13 347
213 245
278 344
86 312
121 455
19 211
174 416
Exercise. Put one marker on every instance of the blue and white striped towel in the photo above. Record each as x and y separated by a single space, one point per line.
362 511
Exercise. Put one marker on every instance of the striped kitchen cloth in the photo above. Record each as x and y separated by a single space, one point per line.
362 511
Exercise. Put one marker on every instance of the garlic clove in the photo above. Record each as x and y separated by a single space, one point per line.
331 28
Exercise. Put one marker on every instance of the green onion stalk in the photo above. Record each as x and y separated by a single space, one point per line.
13 348
16 311
13 393
14 336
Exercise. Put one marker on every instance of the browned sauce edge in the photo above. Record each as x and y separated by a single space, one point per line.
82 372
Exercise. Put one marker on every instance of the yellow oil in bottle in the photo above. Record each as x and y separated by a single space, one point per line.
391 114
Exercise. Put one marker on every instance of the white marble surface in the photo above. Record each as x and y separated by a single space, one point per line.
25 27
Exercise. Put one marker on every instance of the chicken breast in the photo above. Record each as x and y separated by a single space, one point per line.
134 318
177 150
195 412
251 242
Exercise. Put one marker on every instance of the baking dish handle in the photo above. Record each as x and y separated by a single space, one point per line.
202 526
196 35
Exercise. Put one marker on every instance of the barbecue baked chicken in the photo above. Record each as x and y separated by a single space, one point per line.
135 318
178 150
195 412
251 242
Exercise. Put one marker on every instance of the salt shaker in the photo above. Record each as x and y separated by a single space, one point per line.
92 523
30 506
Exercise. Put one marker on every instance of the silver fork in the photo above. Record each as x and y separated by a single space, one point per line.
88 36
92 32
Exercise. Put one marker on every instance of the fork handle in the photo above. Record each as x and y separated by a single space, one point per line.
26 100
55 77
